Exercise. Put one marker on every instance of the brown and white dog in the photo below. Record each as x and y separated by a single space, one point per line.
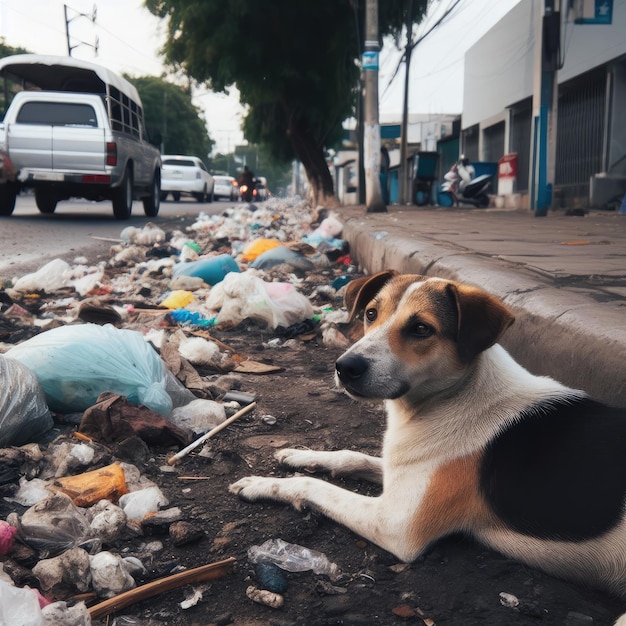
474 442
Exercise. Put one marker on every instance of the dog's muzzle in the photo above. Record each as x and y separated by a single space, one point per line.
350 370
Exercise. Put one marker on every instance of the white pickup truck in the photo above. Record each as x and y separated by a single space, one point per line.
76 130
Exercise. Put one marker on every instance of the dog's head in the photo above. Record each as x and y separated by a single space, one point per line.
420 332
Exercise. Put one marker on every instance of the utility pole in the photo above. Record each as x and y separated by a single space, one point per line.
545 101
402 173
371 131
90 16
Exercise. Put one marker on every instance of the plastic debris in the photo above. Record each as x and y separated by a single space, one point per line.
50 277
19 607
293 558
24 414
262 596
75 364
199 416
178 299
212 270
109 574
139 504
106 483
7 537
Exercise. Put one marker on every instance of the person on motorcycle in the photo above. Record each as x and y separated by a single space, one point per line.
246 180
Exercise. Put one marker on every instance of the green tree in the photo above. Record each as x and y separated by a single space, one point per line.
293 63
173 123
10 87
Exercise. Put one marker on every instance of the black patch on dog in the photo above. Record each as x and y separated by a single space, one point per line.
560 472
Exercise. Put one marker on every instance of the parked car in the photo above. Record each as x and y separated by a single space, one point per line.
186 175
226 187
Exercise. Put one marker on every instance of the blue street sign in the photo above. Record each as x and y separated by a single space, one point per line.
596 12
369 60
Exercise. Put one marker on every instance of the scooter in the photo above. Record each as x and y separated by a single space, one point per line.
461 185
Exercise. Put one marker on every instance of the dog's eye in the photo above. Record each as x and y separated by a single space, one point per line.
371 315
418 329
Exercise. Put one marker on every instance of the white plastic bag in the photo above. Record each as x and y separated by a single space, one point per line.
75 364
19 607
24 414
50 277
246 296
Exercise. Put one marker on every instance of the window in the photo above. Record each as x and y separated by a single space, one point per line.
57 114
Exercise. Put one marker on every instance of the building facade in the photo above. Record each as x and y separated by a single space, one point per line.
499 116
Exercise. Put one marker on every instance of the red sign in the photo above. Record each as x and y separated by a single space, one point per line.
507 166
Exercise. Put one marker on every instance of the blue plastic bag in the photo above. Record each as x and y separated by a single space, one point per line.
74 364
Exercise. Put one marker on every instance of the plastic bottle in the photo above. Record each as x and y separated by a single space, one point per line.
211 270
293 558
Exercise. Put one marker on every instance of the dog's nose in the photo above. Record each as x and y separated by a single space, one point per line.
351 367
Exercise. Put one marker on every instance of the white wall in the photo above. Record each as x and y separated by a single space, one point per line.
499 67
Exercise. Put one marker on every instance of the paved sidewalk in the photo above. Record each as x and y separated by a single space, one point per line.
563 276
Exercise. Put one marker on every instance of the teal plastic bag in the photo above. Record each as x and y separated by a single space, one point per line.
74 364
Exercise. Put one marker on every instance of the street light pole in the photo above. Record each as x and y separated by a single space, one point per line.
371 131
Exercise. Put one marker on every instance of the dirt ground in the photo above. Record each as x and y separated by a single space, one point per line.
456 583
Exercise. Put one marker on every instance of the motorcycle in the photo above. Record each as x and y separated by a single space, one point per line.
246 192
461 185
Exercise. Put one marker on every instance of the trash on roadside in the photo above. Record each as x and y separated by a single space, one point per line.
257 247
48 278
293 558
283 255
7 537
139 504
146 236
247 296
24 414
55 525
109 574
199 351
178 299
19 606
113 419
199 416
75 364
267 598
212 269
106 483
65 575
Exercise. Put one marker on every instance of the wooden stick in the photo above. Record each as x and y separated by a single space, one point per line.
149 590
185 451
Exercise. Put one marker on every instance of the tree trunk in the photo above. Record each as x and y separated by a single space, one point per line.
311 154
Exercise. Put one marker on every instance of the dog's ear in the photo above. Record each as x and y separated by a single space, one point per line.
361 290
482 319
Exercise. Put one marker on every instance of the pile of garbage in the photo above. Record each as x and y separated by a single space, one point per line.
99 364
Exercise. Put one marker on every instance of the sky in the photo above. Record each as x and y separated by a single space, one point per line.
129 39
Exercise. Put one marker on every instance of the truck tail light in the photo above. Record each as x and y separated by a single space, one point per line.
197 175
111 153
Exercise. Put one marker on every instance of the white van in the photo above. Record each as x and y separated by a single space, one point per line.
75 129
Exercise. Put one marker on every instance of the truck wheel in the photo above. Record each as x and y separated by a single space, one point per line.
152 203
201 197
8 193
122 197
210 197
45 200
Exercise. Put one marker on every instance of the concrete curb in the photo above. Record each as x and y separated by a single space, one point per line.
557 332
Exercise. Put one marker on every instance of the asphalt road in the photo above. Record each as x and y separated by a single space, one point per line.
29 238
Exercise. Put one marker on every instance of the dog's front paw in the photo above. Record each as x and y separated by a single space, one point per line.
299 459
252 488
